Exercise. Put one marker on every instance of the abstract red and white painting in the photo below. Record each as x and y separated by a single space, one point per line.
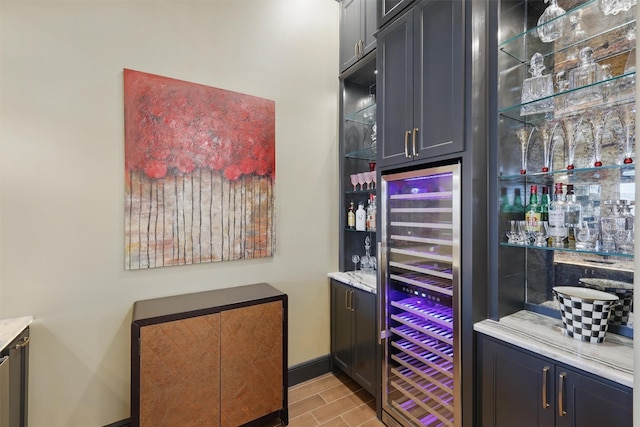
199 173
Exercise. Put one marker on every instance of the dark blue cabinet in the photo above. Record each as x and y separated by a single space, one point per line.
358 23
420 86
521 388
353 334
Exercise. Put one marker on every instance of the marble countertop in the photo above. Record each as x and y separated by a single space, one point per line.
365 281
11 328
612 359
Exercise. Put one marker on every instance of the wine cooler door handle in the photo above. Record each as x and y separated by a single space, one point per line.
545 395
561 391
379 283
414 134
406 143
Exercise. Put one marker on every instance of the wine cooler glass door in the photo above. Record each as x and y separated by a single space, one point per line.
421 211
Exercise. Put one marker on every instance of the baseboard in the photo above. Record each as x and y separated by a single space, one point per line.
297 374
309 369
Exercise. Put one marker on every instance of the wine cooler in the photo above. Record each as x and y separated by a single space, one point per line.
419 271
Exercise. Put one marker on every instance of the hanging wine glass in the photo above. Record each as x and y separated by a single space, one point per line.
524 136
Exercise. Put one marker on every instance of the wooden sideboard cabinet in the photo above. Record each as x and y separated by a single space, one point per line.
215 358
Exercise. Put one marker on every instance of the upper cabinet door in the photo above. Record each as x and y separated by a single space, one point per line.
358 24
394 91
439 78
370 25
389 9
350 17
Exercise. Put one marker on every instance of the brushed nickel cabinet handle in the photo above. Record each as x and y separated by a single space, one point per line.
561 387
406 144
545 396
346 299
415 131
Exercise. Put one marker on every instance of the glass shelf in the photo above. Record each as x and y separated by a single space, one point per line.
623 86
368 153
365 116
591 22
622 173
360 192
547 248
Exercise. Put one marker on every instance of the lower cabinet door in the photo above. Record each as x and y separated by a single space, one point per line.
341 326
365 340
517 389
180 373
587 402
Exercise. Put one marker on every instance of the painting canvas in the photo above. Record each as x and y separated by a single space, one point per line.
199 173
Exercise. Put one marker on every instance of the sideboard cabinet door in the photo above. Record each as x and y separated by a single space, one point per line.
251 362
180 360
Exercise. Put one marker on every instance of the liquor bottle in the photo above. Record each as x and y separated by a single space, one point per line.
351 217
573 215
532 213
557 230
361 218
544 204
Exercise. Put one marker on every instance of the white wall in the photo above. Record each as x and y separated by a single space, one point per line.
62 179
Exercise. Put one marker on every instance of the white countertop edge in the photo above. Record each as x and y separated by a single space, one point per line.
612 359
364 281
12 327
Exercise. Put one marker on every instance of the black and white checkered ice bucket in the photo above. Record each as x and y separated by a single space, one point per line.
585 312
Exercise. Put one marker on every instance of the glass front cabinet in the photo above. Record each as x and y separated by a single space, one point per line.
565 132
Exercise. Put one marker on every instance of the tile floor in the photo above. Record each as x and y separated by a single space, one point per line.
331 401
